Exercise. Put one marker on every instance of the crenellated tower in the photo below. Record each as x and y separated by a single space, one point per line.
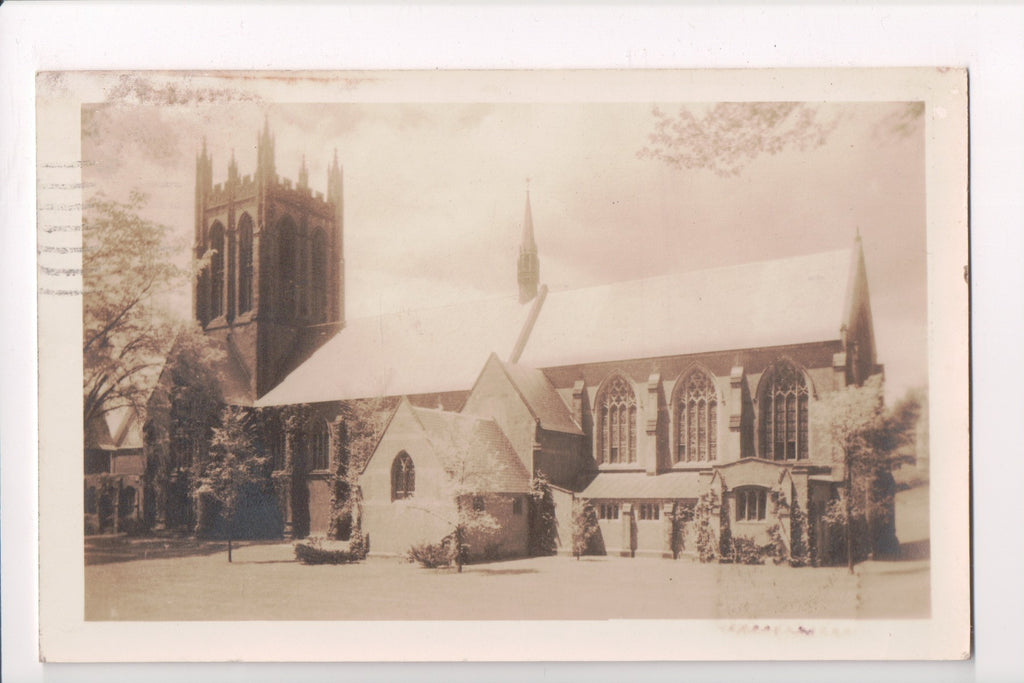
270 286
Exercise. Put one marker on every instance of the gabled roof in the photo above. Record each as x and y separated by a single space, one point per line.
475 451
411 352
117 429
642 485
795 300
540 397
769 303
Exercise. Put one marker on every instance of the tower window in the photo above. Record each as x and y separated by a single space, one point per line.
245 264
319 277
217 271
287 260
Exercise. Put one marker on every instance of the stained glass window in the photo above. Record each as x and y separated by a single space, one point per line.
403 477
784 414
697 419
617 431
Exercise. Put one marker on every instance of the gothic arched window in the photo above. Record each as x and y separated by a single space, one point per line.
616 423
696 418
403 477
319 277
287 277
244 263
319 444
217 271
784 413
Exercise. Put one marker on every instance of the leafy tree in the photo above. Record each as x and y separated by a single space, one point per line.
233 467
182 409
867 440
362 423
473 469
584 526
543 523
727 136
125 269
730 134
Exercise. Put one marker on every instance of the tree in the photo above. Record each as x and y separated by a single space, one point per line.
584 526
473 470
730 134
866 439
727 136
125 268
543 523
233 466
181 412
361 424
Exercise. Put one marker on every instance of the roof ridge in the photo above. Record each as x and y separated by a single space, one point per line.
713 269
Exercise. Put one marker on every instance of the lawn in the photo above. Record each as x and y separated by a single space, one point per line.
264 582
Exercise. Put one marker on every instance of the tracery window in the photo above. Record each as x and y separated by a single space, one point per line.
616 428
403 477
287 256
245 263
697 419
750 504
319 277
319 446
784 414
217 271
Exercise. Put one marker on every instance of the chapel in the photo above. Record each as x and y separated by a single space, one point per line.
646 399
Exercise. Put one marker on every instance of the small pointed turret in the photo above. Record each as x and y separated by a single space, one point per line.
529 262
303 173
265 153
232 168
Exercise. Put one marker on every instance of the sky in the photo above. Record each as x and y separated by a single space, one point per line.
435 195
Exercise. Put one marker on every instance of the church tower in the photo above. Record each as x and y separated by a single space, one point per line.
529 262
270 289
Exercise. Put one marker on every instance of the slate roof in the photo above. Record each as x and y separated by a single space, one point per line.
407 353
768 303
118 429
632 485
541 398
476 450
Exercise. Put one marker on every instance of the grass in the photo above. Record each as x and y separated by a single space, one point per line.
265 582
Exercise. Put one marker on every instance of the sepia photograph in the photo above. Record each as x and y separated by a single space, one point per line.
452 347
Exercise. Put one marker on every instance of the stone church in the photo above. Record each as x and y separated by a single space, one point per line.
645 398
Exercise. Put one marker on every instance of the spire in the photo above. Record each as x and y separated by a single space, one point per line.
232 167
529 263
528 245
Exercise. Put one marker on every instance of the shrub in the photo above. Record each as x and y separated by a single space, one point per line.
681 519
584 526
313 552
131 526
431 555
776 548
707 549
543 523
358 544
92 526
492 552
746 551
